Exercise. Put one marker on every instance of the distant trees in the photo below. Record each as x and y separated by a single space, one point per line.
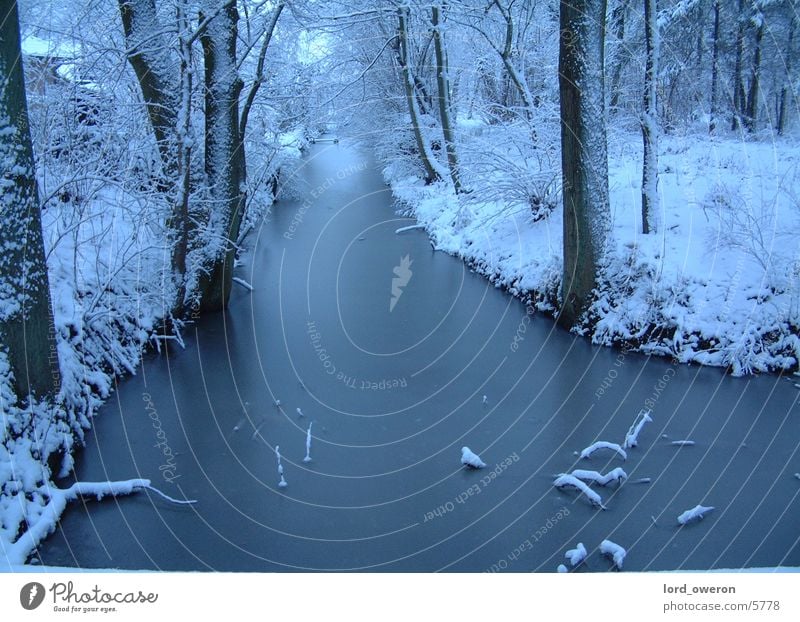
26 316
584 161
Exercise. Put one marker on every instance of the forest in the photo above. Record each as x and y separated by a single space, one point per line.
628 170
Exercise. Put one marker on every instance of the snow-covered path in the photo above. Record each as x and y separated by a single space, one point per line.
400 357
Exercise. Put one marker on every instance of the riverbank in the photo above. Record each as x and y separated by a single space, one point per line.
718 285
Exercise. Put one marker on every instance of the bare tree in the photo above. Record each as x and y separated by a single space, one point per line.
25 307
584 162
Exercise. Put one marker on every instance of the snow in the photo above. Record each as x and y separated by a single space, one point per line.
307 457
696 513
576 555
617 475
598 445
718 284
569 481
632 437
614 551
683 443
471 459
561 568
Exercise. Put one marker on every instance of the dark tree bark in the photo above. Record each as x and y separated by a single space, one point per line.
751 111
223 142
618 24
714 69
650 122
404 60
739 99
584 160
784 96
165 81
443 87
27 333
149 56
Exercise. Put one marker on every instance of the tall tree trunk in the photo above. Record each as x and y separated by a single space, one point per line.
618 24
27 333
584 160
223 147
738 81
781 124
714 69
650 202
164 90
751 112
404 60
443 86
149 56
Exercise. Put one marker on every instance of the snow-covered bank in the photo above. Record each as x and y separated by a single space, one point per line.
718 285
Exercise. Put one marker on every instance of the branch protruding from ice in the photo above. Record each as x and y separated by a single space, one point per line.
308 443
19 551
632 437
617 475
587 453
614 551
570 481
282 483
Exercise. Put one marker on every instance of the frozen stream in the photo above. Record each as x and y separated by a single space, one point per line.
394 391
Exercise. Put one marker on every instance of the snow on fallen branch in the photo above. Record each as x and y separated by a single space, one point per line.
409 228
617 475
696 513
682 443
587 453
614 551
243 283
19 551
632 437
569 481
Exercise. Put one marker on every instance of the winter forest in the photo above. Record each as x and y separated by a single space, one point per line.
473 285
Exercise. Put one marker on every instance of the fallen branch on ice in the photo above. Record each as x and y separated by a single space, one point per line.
19 551
587 453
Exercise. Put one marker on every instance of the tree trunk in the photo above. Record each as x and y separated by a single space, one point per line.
167 96
443 86
148 55
650 202
714 70
223 148
27 332
751 112
618 22
781 125
738 82
404 59
584 160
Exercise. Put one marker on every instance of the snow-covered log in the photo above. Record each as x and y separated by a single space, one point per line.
617 475
632 437
696 513
587 453
19 551
569 481
576 555
470 459
614 551
682 443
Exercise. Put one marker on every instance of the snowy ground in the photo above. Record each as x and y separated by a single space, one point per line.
718 285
